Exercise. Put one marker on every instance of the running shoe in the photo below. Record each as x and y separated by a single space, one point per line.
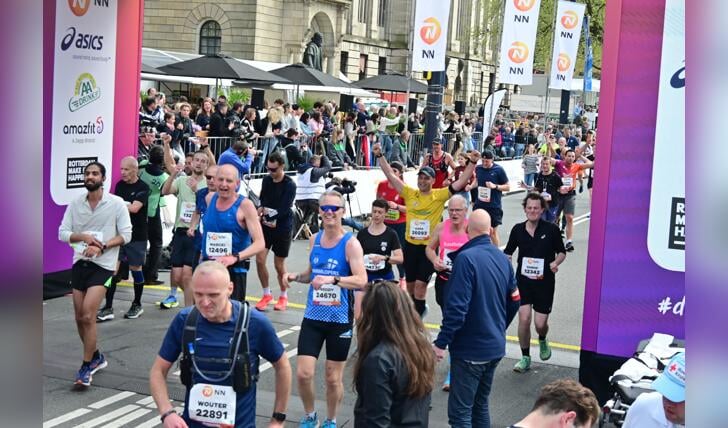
544 349
522 365
264 301
446 384
83 377
153 282
309 422
98 363
282 304
134 311
328 423
169 302
569 247
105 314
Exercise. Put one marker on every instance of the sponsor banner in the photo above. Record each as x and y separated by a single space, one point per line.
632 289
430 35
490 108
588 57
567 31
84 78
518 42
666 230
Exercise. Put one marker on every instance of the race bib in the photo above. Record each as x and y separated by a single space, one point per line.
212 405
567 182
218 244
546 195
420 229
81 246
186 211
370 265
484 193
327 295
446 260
270 212
392 215
532 268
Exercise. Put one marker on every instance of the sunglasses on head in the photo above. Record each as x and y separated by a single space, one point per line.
330 208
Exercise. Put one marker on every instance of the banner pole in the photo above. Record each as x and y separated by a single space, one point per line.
409 54
548 69
502 13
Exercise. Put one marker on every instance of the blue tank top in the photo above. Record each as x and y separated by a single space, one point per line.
226 221
330 261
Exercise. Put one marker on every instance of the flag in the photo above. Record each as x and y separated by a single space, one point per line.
518 41
566 43
430 35
588 56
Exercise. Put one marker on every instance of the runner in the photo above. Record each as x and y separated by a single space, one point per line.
232 229
540 252
336 268
183 245
219 392
200 209
381 250
439 161
447 237
135 194
492 182
276 217
547 184
568 169
396 217
95 224
424 208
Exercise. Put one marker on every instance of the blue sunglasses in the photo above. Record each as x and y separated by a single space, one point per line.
330 208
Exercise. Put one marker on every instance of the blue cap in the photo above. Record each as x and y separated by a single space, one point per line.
671 383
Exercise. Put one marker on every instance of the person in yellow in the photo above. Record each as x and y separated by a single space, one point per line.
424 211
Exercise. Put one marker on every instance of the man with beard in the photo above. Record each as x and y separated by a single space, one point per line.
183 246
95 224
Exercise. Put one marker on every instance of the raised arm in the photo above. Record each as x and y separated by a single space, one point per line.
387 169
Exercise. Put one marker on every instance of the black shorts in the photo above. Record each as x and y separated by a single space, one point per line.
336 335
183 249
133 253
441 279
279 242
541 296
496 216
86 274
416 264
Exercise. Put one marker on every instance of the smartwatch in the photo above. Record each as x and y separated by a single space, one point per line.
336 280
167 413
278 416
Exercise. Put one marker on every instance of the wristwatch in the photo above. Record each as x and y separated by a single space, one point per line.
237 257
336 280
386 259
167 413
280 417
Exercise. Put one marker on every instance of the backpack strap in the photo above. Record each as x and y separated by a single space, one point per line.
188 339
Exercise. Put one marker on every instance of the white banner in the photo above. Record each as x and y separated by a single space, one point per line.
666 227
430 35
84 74
569 17
518 41
490 109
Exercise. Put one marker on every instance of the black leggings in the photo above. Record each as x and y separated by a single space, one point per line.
154 231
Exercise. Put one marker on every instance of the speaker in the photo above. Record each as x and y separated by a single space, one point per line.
412 106
460 107
346 102
491 83
257 98
564 110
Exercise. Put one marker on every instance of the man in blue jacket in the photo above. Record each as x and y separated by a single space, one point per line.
477 312
240 155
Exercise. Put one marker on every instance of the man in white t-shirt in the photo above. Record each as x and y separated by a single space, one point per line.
664 408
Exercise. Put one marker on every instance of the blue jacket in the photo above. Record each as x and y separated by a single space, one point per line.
230 157
478 302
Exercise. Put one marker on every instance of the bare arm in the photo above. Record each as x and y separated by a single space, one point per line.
397 257
158 388
252 222
206 147
134 207
355 257
387 169
282 369
461 182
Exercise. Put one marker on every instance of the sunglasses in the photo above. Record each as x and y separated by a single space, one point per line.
272 169
330 208
209 177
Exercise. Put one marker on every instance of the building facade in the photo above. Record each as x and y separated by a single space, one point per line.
362 38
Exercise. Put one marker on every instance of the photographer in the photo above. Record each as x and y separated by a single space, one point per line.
310 187
239 155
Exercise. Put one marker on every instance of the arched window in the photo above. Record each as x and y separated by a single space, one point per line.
210 38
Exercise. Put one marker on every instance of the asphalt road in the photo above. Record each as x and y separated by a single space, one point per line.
119 395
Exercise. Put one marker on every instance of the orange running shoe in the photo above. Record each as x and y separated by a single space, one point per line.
282 304
263 303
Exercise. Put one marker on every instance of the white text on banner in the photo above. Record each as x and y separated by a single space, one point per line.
430 35
518 41
566 43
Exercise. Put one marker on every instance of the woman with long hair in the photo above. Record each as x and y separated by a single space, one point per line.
394 369
204 114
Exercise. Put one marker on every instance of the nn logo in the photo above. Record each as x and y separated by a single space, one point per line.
524 5
430 33
563 62
80 7
518 52
569 20
207 391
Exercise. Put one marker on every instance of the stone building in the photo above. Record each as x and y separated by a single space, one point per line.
362 38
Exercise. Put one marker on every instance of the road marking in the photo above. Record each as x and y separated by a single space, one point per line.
146 401
65 418
265 366
285 332
128 418
108 416
113 399
515 339
154 422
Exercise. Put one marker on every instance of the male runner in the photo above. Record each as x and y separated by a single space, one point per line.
336 268
381 249
492 182
276 217
440 162
569 170
547 184
183 245
232 229
540 252
424 211
447 237
95 224
135 194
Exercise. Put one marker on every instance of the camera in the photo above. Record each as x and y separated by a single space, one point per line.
341 185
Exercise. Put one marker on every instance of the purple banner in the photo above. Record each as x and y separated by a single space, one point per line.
628 295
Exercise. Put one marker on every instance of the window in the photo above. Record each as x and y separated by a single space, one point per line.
210 38
382 65
344 64
363 59
462 24
365 11
382 16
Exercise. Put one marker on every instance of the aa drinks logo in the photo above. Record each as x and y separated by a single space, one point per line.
518 52
570 20
563 62
524 5
81 41
85 92
80 7
88 128
431 30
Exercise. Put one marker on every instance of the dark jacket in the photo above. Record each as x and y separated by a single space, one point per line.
219 126
381 386
478 310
